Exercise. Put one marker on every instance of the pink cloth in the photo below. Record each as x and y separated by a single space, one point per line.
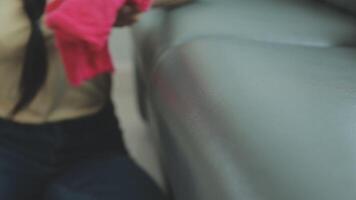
82 29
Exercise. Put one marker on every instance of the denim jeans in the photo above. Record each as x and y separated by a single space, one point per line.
80 159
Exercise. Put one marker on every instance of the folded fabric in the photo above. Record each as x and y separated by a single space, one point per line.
82 29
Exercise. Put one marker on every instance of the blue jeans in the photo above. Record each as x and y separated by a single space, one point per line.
81 159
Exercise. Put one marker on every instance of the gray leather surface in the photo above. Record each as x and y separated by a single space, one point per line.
256 98
278 21
259 121
347 4
293 22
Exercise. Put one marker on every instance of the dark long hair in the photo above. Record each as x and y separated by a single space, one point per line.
34 70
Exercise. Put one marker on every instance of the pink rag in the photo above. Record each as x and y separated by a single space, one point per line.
82 29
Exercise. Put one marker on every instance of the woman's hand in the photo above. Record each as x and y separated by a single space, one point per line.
170 3
127 16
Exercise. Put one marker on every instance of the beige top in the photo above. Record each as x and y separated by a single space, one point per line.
57 100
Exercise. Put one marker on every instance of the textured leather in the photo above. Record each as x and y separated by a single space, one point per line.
346 4
276 21
254 99
285 21
258 121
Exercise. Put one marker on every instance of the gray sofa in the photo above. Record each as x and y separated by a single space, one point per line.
252 99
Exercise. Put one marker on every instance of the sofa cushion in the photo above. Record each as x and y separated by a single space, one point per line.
278 21
280 117
346 4
293 22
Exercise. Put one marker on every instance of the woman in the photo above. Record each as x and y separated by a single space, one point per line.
58 142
